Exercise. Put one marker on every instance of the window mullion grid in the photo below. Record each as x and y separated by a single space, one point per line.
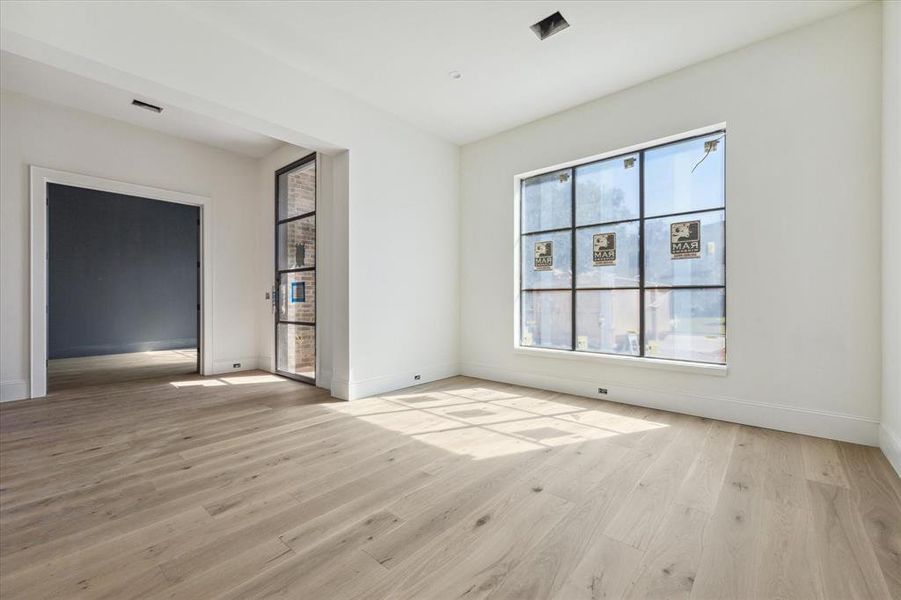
522 187
555 230
589 225
687 213
607 223
305 215
641 290
687 286
572 262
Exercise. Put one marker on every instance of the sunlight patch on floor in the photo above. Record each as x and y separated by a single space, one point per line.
368 406
427 399
234 380
197 383
413 422
243 379
477 442
483 423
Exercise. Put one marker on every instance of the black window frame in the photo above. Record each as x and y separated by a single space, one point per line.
642 218
279 272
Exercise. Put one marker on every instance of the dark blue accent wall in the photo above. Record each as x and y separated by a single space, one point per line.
123 273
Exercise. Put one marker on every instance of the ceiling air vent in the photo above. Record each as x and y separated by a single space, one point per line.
548 26
147 106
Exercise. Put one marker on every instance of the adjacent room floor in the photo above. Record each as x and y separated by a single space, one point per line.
68 373
251 486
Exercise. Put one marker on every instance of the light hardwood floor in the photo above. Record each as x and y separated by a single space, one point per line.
251 486
67 373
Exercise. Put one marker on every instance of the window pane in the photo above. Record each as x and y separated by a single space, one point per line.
547 260
297 243
297 297
607 256
547 201
296 350
607 191
685 250
608 321
547 319
686 324
297 191
670 186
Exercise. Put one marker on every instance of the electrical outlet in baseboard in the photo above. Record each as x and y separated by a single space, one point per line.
236 366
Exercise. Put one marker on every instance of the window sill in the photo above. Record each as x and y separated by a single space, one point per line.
627 361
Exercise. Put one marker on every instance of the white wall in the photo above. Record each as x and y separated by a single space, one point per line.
404 299
890 433
803 198
402 205
37 133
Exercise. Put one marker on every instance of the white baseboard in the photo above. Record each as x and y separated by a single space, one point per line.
324 380
339 388
248 363
819 423
13 389
389 383
890 443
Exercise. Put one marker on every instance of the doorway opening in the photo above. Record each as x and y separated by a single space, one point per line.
294 292
123 287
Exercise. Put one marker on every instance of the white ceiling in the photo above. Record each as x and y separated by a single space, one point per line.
62 87
397 55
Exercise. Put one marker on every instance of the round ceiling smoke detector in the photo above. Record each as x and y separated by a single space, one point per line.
455 75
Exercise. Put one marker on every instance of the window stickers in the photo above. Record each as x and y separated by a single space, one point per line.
604 253
544 256
685 239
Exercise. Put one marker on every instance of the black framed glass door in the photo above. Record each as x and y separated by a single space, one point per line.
295 270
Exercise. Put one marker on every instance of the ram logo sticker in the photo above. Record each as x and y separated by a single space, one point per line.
685 239
604 245
544 256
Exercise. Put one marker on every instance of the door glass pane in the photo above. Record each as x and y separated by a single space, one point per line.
608 321
607 255
296 350
547 201
686 324
297 297
297 191
547 319
686 250
678 177
297 243
547 260
607 191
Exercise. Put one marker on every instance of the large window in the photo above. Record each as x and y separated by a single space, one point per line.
627 255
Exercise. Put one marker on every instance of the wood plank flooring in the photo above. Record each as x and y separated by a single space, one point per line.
252 486
68 373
